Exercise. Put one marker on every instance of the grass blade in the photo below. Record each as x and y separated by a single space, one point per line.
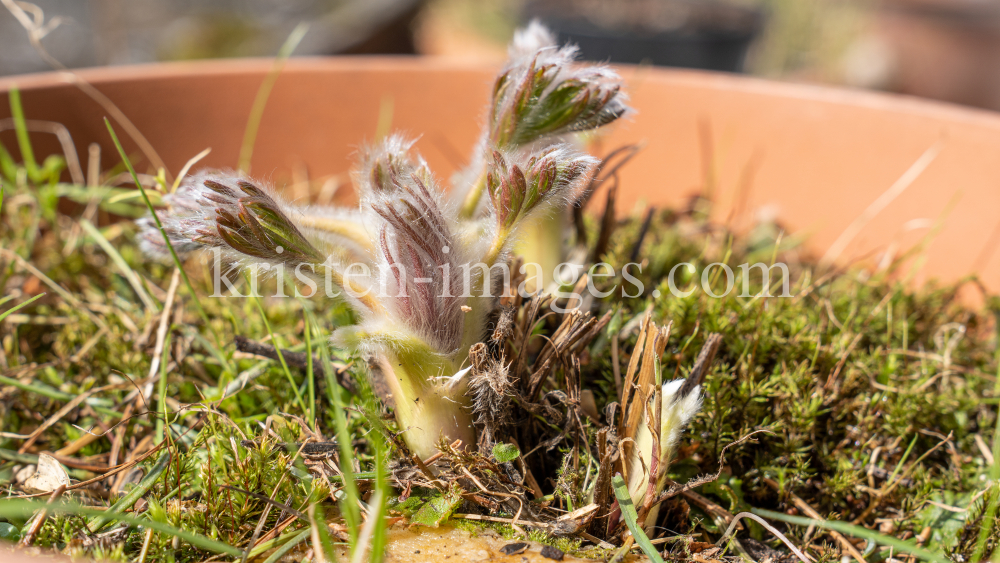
367 537
21 129
858 532
322 544
989 517
161 391
382 493
61 291
187 167
902 460
156 218
349 505
310 375
8 170
632 519
126 270
20 306
126 502
294 541
20 508
46 391
277 347
264 92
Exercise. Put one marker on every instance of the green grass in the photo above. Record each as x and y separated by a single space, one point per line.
109 275
264 92
156 219
631 520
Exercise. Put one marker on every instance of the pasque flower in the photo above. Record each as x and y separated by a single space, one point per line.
430 286
540 98
542 94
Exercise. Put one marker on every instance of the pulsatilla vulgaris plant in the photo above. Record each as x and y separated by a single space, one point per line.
416 265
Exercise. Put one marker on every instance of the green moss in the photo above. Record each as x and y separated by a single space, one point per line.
846 369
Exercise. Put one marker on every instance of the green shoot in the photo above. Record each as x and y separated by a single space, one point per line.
18 306
264 92
156 218
19 508
632 518
21 129
900 546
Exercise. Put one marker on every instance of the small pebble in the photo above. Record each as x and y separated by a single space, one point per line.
550 552
513 548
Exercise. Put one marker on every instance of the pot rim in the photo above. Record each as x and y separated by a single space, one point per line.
819 155
721 81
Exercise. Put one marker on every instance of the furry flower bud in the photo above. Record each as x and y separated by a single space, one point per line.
520 187
417 252
232 213
542 94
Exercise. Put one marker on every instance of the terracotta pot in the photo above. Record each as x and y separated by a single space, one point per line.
816 157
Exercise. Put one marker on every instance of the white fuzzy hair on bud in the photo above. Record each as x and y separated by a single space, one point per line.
416 257
531 39
542 97
540 67
676 413
247 221
524 188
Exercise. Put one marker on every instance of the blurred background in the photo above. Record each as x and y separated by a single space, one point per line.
941 49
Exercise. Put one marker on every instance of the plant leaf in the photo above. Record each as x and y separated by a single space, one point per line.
504 453
20 508
19 306
858 532
438 509
126 502
632 519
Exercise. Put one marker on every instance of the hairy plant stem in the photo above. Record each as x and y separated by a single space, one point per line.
429 407
472 197
542 243
350 230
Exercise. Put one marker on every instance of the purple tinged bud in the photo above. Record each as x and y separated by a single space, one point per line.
519 188
546 176
544 93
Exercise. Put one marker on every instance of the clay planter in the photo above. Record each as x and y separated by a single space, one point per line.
816 157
